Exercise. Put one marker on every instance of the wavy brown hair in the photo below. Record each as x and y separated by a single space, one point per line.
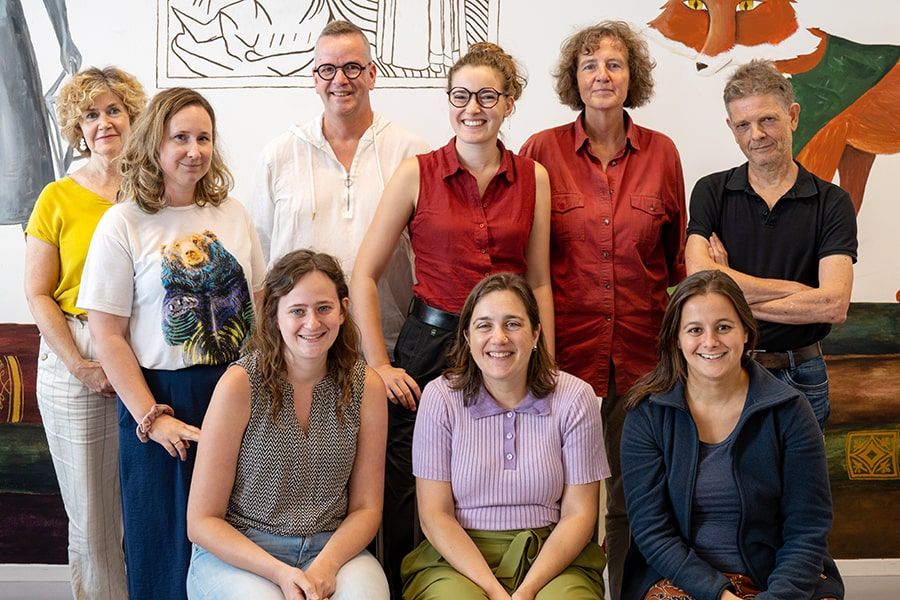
142 176
267 340
586 41
671 367
464 373
77 95
487 54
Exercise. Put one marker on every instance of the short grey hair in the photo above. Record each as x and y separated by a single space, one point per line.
756 78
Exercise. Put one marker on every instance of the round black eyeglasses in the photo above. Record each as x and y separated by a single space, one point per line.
351 70
486 97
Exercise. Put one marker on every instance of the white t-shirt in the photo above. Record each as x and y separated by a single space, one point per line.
183 276
305 198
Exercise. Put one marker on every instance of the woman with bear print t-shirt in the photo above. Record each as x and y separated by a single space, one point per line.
168 287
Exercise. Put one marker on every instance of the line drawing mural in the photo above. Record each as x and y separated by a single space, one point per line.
270 43
31 151
849 93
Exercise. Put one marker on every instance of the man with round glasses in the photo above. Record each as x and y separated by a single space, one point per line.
319 183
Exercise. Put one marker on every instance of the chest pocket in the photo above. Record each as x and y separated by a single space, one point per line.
567 217
647 218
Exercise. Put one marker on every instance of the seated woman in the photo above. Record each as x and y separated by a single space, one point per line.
724 466
508 456
287 489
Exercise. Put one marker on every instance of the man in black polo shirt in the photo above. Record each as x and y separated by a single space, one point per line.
787 237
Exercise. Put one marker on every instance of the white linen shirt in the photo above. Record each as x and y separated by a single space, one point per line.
305 198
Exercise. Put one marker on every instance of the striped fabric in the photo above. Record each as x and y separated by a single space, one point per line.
507 468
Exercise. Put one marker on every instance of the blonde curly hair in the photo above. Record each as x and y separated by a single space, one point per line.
79 93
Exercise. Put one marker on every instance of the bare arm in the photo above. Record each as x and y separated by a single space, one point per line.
437 513
538 256
41 277
366 491
827 303
577 523
701 254
212 483
394 211
110 335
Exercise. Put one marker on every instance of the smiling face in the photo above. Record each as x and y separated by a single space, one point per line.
344 98
711 337
310 317
186 151
603 76
473 123
105 125
501 340
763 127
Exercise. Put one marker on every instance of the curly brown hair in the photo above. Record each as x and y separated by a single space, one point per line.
487 54
586 41
267 340
142 176
77 95
464 373
672 367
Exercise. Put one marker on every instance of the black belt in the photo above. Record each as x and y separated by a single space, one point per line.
786 360
433 316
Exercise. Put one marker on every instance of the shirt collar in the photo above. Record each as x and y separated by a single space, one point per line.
632 134
484 405
804 186
450 161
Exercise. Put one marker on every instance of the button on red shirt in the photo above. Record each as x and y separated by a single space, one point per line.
616 244
460 236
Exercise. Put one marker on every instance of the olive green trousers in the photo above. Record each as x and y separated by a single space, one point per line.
509 554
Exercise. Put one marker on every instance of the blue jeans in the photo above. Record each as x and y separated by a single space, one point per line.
811 378
211 578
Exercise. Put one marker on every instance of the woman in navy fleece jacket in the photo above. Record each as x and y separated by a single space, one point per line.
724 466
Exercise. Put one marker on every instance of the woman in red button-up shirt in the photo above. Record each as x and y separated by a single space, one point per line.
471 208
617 231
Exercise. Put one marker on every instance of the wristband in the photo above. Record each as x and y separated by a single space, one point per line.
143 428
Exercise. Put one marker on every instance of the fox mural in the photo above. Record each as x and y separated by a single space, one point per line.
849 93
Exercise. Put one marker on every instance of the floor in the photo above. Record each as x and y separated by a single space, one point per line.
858 588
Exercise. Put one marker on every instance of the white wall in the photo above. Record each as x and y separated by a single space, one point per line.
686 107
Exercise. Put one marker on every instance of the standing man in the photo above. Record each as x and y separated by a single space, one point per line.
787 237
319 183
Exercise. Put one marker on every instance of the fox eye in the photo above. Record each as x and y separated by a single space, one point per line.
696 4
745 5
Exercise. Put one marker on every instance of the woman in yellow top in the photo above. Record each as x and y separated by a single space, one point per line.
96 109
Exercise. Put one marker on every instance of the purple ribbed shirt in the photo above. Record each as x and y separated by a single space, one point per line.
508 468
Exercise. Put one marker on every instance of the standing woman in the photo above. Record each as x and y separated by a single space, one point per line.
167 286
724 465
96 109
288 487
617 232
472 208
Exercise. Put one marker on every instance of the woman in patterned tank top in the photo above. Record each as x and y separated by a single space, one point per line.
287 489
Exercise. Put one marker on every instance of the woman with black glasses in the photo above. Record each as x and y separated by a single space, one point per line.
472 208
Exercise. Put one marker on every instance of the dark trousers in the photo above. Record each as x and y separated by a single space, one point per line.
618 533
422 351
155 487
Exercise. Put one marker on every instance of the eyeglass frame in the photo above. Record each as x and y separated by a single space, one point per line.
475 94
342 68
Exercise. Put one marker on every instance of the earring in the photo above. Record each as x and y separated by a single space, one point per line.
534 348
82 145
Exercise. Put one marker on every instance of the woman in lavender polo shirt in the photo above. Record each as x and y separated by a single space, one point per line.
508 456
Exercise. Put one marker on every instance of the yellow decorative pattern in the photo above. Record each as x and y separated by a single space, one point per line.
12 394
873 454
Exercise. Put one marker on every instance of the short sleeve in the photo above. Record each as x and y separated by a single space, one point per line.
44 223
839 234
704 210
432 439
583 452
107 282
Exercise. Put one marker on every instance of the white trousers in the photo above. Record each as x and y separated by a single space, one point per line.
82 434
